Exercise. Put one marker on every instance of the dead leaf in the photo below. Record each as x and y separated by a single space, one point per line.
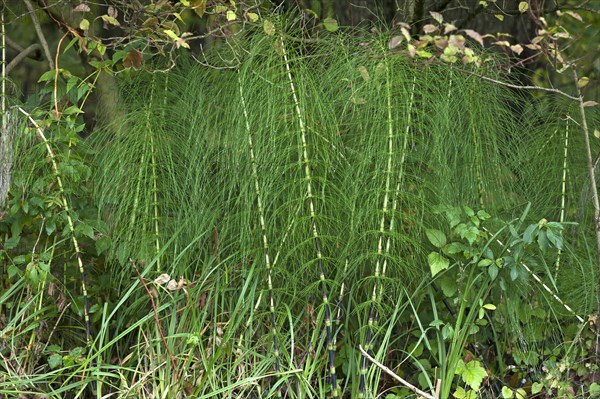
429 28
82 7
590 104
449 28
437 16
474 35
517 48
134 59
394 42
162 279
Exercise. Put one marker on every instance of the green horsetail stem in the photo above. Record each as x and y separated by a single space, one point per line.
263 229
65 205
563 193
315 230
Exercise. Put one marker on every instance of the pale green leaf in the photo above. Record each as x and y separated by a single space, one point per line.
523 7
331 24
437 263
507 393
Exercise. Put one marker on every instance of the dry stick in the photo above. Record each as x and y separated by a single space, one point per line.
263 229
590 164
396 376
65 205
40 34
313 217
539 280
560 92
156 318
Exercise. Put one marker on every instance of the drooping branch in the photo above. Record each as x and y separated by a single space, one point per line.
21 56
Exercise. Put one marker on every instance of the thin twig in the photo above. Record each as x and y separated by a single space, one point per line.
40 34
395 376
562 93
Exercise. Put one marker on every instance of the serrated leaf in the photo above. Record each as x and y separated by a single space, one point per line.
523 7
474 374
437 263
331 24
436 237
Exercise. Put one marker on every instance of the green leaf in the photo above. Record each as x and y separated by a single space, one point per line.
12 242
268 27
448 286
331 24
102 244
554 238
48 75
230 15
459 393
54 361
474 374
521 394
172 35
530 233
436 237
507 393
523 7
485 262
84 24
493 271
85 229
489 306
110 20
437 263
252 16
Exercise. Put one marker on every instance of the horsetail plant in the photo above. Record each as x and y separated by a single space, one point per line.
313 217
263 229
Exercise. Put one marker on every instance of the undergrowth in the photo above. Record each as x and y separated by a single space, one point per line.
246 228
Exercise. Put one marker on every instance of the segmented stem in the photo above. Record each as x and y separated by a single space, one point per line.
313 216
65 205
263 229
563 196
